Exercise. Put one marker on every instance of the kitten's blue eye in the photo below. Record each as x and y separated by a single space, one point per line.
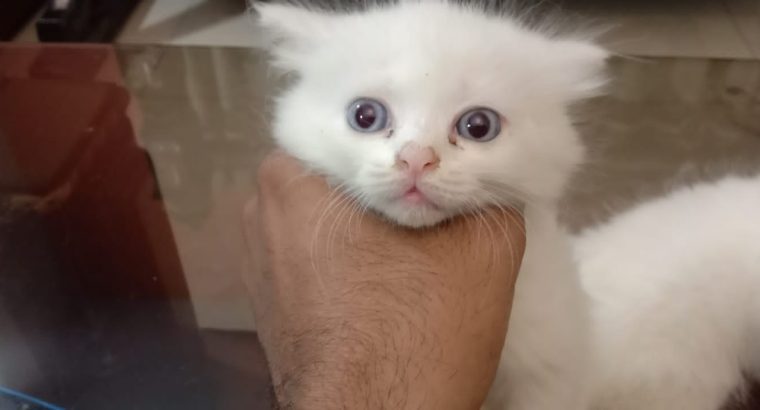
479 124
367 115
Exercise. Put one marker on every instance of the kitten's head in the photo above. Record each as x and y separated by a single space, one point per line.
424 110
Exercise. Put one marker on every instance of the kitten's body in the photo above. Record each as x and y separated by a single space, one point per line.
545 361
429 62
674 287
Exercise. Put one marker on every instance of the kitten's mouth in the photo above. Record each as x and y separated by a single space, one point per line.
414 197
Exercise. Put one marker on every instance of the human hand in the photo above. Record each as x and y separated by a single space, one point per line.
354 312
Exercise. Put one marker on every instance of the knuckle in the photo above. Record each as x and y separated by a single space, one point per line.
267 172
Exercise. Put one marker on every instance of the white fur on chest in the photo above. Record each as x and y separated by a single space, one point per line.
545 359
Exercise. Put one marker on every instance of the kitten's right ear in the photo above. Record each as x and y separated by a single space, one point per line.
292 31
581 68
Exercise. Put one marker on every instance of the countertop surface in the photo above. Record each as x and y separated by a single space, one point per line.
124 170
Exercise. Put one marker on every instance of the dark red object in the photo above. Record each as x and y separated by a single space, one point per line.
87 253
71 147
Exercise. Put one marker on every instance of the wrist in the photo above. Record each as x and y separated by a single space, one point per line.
398 361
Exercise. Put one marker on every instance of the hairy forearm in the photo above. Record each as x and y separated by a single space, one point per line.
362 369
393 350
356 371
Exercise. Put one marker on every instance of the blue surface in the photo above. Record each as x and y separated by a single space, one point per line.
25 400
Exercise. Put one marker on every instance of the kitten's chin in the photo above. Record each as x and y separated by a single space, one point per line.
413 216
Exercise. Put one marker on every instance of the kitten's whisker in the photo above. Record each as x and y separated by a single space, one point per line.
476 211
352 212
505 231
470 208
326 204
519 222
342 206
490 236
506 210
491 241
347 239
348 206
505 228
511 194
513 190
381 175
482 223
365 207
328 240
357 209
382 185
448 181
330 199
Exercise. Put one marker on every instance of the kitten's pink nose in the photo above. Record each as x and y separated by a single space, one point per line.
416 159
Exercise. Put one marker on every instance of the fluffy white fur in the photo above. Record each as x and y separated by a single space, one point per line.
428 61
674 286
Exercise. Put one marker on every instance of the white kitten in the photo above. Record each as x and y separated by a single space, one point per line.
424 110
674 285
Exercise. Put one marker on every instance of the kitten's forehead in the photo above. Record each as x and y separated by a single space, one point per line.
442 50
429 52
424 35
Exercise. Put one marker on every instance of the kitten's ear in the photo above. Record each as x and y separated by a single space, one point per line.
581 68
292 31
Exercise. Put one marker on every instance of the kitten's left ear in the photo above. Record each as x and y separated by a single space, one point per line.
293 31
581 68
